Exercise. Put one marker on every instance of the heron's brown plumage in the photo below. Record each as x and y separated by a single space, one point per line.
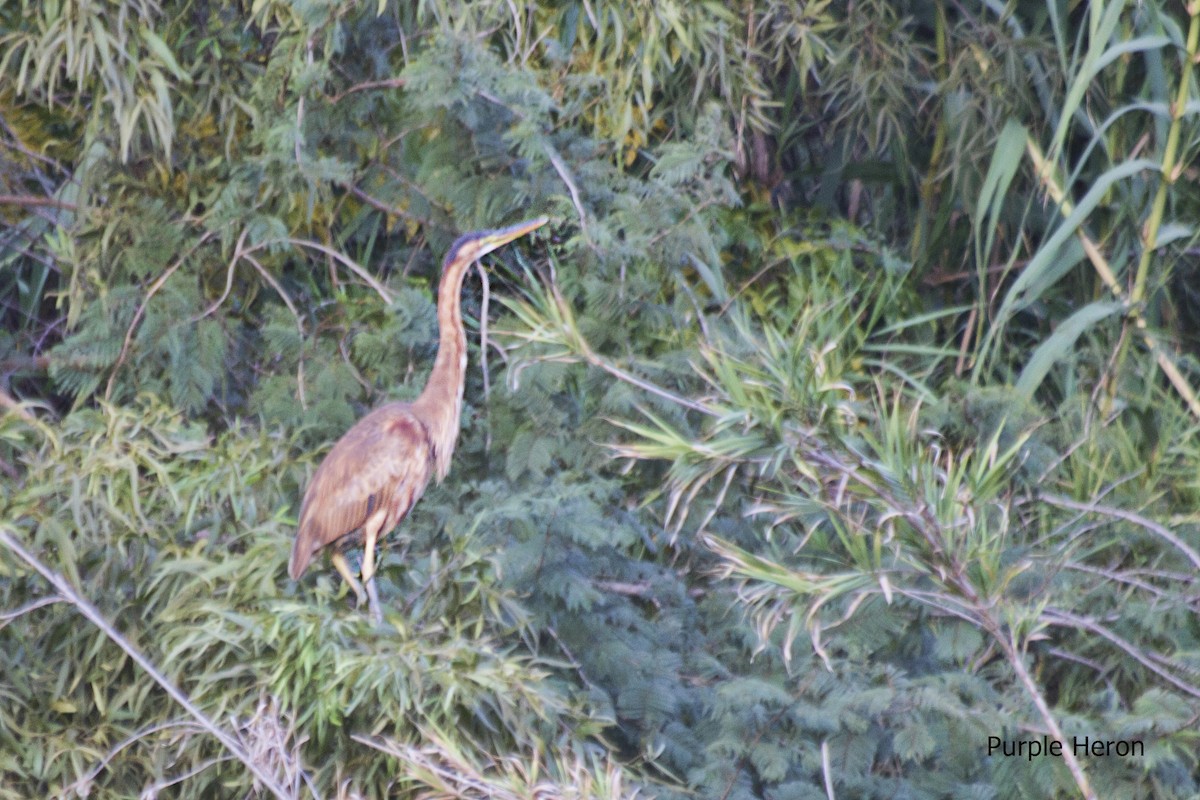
378 470
383 462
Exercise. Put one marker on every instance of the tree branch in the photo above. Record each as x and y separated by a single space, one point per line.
93 615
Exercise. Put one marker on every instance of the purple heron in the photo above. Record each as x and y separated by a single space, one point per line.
377 471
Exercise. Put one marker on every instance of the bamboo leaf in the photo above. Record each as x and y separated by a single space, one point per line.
163 53
1060 344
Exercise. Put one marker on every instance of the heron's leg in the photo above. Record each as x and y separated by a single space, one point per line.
373 595
343 568
371 536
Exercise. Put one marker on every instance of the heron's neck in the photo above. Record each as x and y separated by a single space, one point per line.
439 405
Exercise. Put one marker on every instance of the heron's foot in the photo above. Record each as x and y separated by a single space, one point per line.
376 608
343 568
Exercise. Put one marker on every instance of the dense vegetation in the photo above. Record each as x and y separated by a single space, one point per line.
846 418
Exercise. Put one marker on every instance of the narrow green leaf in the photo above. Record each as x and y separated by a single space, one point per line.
1006 159
1059 344
163 53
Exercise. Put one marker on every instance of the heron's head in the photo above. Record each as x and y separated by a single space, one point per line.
471 246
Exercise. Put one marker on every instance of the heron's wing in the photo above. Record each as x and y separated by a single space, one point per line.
383 462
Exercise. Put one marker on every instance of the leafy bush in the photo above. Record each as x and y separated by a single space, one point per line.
849 414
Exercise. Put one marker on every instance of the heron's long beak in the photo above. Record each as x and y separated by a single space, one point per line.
490 240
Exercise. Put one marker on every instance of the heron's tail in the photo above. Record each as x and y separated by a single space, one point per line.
302 552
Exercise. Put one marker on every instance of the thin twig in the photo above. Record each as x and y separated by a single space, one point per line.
349 263
9 403
964 348
298 135
137 316
483 351
646 386
34 200
559 165
639 589
1016 660
353 369
378 204
585 351
1129 516
1065 619
14 143
237 253
1123 577
33 605
165 783
93 615
269 278
287 300
391 83
827 769
82 785
572 660
565 175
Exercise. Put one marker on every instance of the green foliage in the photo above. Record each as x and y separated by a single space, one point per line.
958 553
126 67
177 538
873 304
